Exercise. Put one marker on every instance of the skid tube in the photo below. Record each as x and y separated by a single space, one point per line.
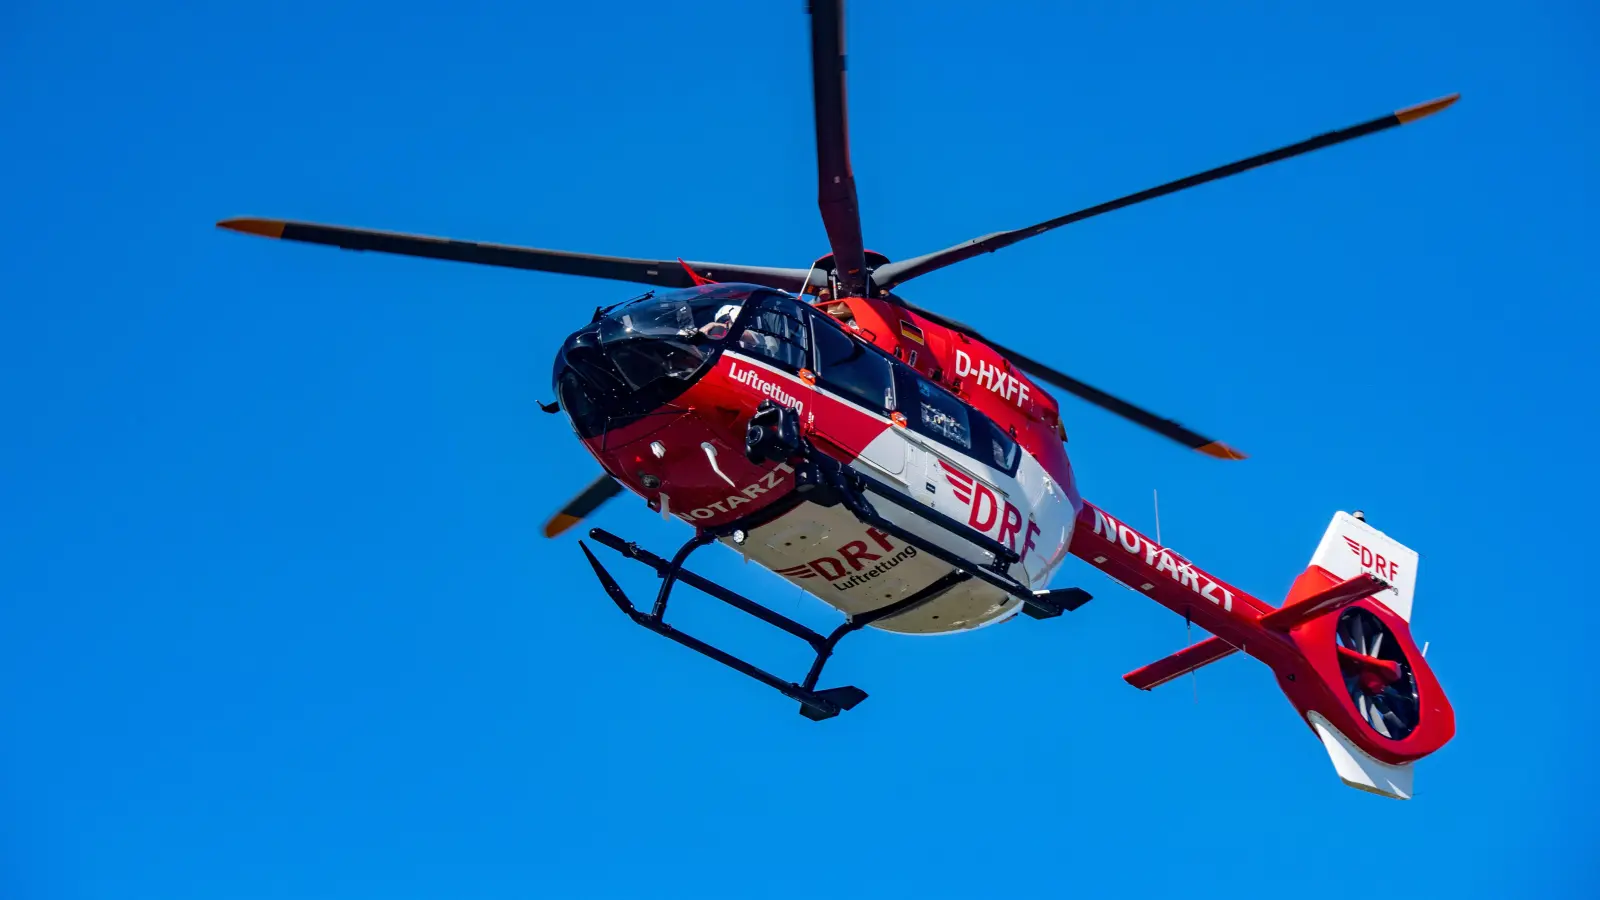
814 704
824 480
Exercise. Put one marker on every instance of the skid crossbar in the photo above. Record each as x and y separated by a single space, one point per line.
814 704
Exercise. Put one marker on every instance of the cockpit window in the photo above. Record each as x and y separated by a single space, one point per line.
657 337
848 368
775 331
638 355
643 363
671 316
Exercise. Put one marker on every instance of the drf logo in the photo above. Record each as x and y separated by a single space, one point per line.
1387 569
850 558
986 508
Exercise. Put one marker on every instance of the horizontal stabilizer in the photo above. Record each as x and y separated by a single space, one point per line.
1334 598
1181 663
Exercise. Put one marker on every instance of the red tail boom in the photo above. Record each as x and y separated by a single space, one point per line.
1297 641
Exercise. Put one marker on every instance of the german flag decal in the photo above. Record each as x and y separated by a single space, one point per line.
911 331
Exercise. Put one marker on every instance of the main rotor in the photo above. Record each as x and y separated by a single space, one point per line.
849 269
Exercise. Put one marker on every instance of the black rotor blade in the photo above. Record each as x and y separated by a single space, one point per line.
836 184
599 491
1167 427
895 273
662 272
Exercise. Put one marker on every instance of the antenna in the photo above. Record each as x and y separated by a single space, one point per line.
1155 498
1188 623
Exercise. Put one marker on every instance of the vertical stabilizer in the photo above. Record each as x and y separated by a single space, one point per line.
1350 547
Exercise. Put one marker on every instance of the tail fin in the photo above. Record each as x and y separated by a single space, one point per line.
1369 664
1350 547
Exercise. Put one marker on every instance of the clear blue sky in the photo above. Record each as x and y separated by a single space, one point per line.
277 618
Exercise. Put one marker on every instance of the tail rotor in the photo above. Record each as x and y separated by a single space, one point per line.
1377 674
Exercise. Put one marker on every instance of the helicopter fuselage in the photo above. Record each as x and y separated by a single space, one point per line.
894 415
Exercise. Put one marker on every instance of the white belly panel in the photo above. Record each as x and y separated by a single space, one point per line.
855 569
828 553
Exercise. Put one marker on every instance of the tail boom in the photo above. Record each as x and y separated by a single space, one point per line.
1298 641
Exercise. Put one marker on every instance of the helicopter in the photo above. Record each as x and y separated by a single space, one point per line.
912 473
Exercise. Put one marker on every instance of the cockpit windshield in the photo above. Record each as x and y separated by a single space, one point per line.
637 355
667 334
668 316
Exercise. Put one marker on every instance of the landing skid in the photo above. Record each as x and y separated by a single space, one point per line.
774 434
814 704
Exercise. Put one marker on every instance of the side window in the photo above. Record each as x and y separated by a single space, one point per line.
775 332
999 450
851 370
942 416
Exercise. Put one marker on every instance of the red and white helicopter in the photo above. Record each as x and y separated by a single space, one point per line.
911 473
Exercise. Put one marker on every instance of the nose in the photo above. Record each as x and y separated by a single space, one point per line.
605 384
586 383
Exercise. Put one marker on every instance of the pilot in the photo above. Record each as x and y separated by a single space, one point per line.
717 328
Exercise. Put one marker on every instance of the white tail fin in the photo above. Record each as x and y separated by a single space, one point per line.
1351 546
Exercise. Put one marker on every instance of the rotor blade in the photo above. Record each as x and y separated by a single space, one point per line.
1407 706
1388 714
1167 427
836 184
1376 717
663 272
599 491
887 276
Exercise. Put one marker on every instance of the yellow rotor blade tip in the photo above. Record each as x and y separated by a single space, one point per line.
1422 110
559 523
1219 450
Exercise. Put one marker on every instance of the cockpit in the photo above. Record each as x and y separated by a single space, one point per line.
640 354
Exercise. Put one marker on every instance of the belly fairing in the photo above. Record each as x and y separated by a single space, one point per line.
828 553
